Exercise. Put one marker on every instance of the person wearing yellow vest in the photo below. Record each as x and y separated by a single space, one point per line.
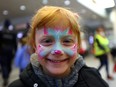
101 49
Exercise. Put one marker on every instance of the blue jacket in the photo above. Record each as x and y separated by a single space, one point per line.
22 57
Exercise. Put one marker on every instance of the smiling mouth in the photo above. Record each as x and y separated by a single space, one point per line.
57 61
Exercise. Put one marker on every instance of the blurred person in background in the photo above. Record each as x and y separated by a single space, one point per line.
7 23
22 56
113 53
7 50
101 49
55 37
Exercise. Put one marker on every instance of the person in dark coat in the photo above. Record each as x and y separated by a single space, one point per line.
55 37
7 49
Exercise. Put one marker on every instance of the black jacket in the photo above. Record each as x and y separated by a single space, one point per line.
88 77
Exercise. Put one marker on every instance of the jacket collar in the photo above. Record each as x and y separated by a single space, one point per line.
53 82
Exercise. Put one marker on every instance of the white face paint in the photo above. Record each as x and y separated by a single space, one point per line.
57 50
57 42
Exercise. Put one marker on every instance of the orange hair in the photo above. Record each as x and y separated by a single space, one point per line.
52 17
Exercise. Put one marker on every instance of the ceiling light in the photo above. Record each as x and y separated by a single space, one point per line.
104 3
22 7
20 35
10 27
112 16
67 2
97 3
5 12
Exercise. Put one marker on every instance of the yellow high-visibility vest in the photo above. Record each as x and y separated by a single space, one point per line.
104 42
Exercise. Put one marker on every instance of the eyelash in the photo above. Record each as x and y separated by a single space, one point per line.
49 42
68 42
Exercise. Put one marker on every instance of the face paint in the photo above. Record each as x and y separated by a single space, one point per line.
71 51
56 52
42 51
57 47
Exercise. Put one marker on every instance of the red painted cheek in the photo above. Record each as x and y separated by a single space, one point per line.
39 50
74 49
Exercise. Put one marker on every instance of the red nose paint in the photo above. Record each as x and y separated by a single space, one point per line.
57 52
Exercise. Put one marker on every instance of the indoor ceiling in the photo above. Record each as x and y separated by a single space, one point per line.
12 7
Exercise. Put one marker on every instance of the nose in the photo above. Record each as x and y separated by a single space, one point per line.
56 52
57 49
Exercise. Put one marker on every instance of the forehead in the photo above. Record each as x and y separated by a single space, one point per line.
54 31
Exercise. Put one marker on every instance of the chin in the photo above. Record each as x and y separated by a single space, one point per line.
58 72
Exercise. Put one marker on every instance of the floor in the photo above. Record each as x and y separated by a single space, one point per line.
90 61
94 62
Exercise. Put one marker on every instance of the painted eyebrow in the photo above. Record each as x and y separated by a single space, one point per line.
64 36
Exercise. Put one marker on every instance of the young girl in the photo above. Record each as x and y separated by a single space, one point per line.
55 37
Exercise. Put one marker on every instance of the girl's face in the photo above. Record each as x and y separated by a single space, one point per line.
57 50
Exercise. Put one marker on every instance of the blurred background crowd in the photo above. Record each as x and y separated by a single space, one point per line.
15 19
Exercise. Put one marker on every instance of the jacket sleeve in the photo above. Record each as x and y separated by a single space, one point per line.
18 57
92 77
17 83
